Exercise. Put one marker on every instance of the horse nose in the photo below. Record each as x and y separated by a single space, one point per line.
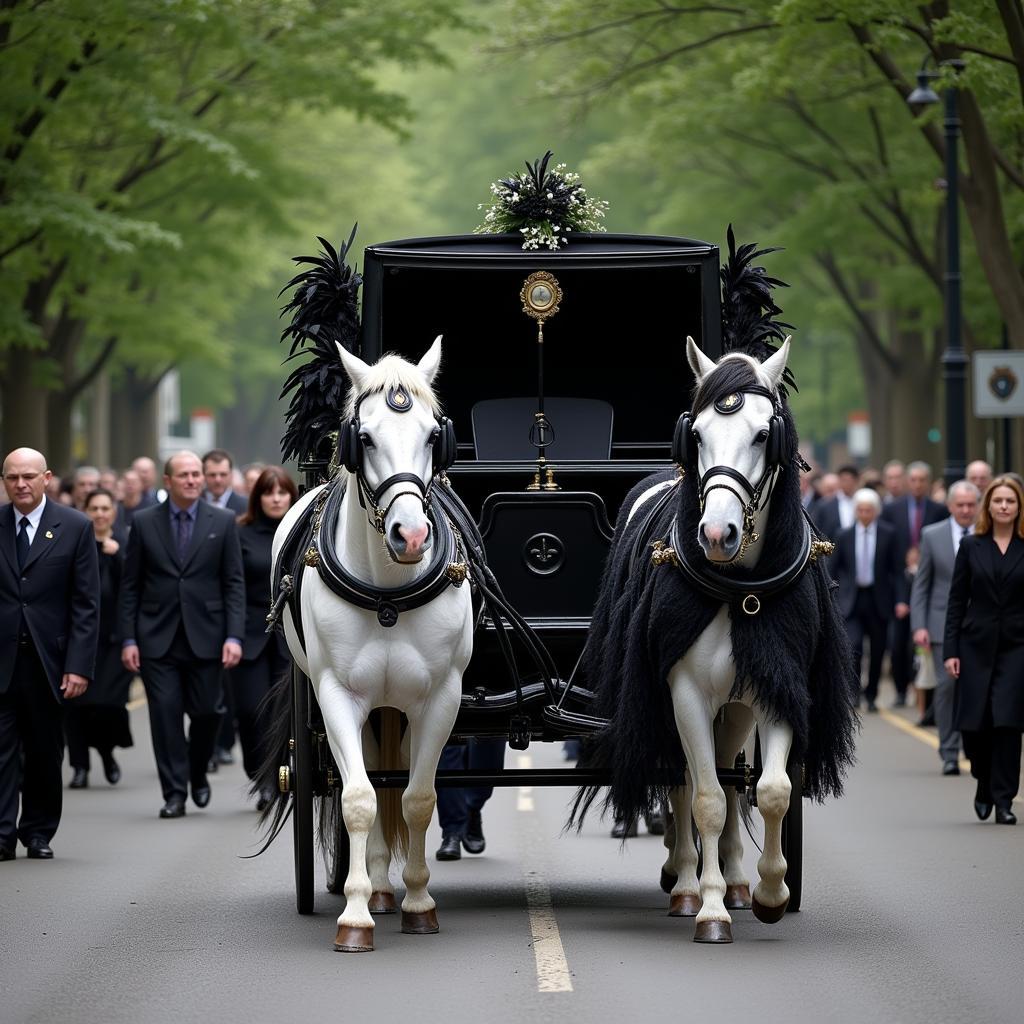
714 536
410 540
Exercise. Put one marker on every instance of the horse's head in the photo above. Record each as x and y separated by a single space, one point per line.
736 444
388 440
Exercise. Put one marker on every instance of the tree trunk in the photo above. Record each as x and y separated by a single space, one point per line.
59 434
23 402
133 419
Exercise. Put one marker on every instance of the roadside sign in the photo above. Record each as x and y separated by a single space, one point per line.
998 383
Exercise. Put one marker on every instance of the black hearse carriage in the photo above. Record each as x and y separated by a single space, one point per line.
613 374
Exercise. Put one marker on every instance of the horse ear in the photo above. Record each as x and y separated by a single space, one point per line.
431 361
701 364
775 366
354 367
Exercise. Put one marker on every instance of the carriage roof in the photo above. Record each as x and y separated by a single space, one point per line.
629 301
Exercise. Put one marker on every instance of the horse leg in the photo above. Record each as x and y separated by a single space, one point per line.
771 894
378 855
693 721
685 889
429 733
730 735
344 721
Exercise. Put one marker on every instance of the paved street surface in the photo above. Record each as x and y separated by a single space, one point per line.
912 911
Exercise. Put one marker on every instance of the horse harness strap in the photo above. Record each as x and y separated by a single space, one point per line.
446 569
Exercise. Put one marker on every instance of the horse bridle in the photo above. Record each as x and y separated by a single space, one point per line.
759 494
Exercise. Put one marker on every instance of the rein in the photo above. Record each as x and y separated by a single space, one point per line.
368 500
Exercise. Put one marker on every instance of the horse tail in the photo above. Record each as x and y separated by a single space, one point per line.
389 801
275 710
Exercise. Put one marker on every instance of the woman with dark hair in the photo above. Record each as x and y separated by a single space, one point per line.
264 656
99 717
984 644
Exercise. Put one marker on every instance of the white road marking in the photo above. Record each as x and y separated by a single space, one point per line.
548 953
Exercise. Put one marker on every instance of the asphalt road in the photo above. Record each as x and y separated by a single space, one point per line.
912 911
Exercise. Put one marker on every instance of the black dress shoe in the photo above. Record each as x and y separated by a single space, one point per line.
622 830
39 848
655 823
174 808
212 766
201 793
111 769
473 839
950 767
7 853
872 708
927 720
1003 817
450 848
982 809
79 779
223 756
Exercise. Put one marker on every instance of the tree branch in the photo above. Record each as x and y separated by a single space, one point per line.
73 390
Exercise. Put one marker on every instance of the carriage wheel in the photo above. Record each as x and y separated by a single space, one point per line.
302 793
793 836
336 857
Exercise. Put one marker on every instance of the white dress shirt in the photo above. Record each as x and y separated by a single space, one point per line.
958 533
864 553
33 520
846 511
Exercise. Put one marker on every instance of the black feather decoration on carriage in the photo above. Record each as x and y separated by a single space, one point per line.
325 311
749 310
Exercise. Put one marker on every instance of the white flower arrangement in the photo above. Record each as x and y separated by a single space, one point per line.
544 206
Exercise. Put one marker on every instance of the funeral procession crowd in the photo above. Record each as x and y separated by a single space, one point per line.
107 575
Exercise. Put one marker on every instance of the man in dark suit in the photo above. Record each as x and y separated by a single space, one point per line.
183 614
217 468
836 513
49 623
871 584
909 515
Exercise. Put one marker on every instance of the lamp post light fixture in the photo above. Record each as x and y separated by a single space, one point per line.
954 360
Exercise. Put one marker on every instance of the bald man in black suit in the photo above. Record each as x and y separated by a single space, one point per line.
49 624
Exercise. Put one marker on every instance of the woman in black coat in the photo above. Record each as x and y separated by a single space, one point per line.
99 718
264 656
984 647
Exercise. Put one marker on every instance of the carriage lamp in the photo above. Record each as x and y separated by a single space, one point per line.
541 296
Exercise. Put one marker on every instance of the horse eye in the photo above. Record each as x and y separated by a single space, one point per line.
432 437
762 436
697 437
366 440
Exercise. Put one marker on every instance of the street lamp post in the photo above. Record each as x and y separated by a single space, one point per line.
954 360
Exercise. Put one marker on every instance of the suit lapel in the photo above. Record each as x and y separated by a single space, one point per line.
8 539
199 530
1012 556
46 536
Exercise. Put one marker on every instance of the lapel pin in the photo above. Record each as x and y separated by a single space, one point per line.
48 535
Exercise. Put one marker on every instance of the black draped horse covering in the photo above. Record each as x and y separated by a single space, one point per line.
793 657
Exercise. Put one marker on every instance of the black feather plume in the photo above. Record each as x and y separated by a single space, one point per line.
749 312
325 311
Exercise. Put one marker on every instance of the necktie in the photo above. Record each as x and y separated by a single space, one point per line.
915 534
23 542
183 534
865 562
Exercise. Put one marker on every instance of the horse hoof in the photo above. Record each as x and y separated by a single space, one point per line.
383 903
769 915
353 940
713 931
686 904
668 882
420 924
737 897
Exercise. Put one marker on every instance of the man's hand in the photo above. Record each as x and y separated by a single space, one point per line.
130 657
902 610
953 667
921 639
231 655
73 685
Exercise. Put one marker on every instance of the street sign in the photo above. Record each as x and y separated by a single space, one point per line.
998 383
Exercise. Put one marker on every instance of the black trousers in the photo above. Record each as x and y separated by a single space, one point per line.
994 754
102 726
455 804
31 753
901 654
865 623
177 684
226 732
251 681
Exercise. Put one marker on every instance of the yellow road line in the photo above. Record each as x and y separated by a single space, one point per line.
548 953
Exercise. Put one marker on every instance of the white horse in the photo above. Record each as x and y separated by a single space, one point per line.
356 663
694 644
